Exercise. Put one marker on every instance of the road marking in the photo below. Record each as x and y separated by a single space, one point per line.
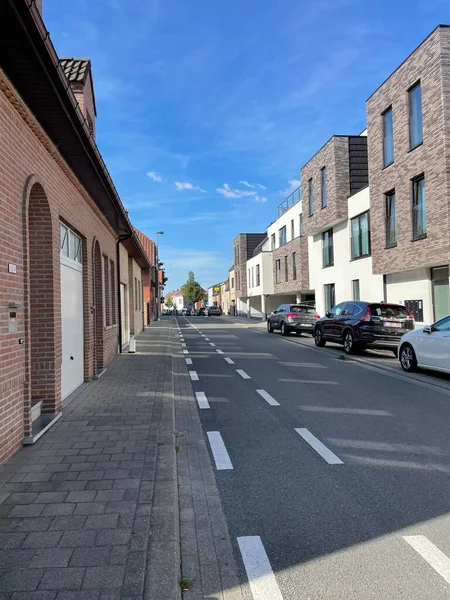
303 364
220 454
189 361
229 361
203 335
257 566
431 553
219 351
193 375
243 374
206 339
268 398
211 344
309 381
183 344
202 400
185 351
320 448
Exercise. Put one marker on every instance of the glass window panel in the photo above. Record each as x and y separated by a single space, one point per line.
415 116
388 138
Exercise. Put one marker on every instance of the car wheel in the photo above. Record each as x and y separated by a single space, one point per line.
284 329
408 358
349 342
269 327
318 338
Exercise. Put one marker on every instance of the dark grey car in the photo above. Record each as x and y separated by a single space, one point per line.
298 318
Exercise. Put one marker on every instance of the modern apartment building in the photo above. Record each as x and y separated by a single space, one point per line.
243 246
408 121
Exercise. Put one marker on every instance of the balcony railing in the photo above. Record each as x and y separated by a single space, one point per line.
292 199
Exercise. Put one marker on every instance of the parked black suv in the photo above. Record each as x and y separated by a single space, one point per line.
359 325
288 318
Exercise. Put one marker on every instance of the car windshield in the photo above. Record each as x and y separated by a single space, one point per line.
389 311
310 310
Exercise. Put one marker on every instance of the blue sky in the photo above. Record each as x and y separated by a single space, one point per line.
208 109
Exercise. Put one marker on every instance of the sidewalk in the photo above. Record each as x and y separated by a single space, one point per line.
91 511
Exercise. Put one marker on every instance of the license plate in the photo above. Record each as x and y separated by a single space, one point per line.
388 324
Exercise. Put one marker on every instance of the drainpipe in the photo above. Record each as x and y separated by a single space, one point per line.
120 239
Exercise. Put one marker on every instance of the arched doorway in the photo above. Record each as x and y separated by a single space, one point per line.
98 304
44 372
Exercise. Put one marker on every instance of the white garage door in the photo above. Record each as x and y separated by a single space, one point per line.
72 368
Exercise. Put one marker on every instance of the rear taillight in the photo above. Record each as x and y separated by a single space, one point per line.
317 316
367 316
292 315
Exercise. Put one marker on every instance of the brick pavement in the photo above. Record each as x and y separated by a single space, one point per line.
91 511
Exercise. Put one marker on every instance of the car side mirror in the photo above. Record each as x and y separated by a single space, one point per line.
328 314
427 329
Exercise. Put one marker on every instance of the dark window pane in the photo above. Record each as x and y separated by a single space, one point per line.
388 138
391 220
419 209
324 187
311 197
415 116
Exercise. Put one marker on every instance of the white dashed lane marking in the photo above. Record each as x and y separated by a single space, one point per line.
320 448
193 375
202 400
219 452
189 361
229 361
268 398
431 553
243 374
261 578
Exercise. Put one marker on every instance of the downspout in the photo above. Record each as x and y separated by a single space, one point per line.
120 239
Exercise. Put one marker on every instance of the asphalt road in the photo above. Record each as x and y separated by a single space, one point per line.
340 478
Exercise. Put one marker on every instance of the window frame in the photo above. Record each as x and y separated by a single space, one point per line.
361 255
388 196
327 250
324 188
294 266
329 291
301 231
282 235
273 241
311 197
292 230
286 268
416 237
278 270
415 86
258 276
358 286
383 115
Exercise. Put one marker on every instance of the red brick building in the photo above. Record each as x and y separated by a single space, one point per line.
61 224
149 276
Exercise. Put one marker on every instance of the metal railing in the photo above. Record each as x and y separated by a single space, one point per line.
288 202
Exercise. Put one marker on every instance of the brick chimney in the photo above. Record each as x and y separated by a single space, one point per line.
78 72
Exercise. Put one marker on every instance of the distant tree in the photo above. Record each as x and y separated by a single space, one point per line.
169 302
192 290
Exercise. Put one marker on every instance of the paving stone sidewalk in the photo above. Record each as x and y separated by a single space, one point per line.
90 512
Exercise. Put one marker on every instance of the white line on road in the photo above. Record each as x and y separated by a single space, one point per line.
431 553
185 351
189 361
219 351
320 448
229 361
211 344
268 398
221 456
203 335
257 566
243 374
202 400
206 339
193 375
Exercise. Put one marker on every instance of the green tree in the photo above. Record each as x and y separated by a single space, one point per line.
169 302
192 290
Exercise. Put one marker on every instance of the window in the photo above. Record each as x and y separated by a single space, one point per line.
112 279
292 230
355 289
106 293
278 271
232 282
69 243
286 272
135 294
360 236
301 225
311 197
419 209
258 279
391 220
253 278
249 278
272 241
323 173
388 138
328 291
415 116
327 248
442 325
282 236
294 266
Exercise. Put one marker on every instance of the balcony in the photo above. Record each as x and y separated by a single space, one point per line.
292 199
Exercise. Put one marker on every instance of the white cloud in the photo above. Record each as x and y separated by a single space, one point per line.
260 199
154 176
185 185
253 185
228 192
293 185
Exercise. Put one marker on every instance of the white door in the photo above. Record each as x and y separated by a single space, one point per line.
124 309
72 368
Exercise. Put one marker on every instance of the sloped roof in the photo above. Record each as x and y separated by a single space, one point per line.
76 69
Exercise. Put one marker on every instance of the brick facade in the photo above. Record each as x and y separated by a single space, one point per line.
37 190
429 63
243 246
299 245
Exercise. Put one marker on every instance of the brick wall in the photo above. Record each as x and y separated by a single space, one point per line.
431 64
29 162
299 245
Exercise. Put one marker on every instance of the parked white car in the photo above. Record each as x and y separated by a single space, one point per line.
428 348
